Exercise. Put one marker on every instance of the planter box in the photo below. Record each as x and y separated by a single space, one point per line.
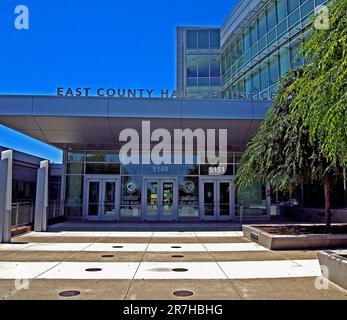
294 242
336 267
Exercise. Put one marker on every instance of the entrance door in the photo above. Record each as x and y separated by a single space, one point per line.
217 199
102 199
160 199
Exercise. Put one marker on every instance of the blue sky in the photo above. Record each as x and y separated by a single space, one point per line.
88 43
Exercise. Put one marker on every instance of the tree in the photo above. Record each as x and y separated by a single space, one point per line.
321 100
283 152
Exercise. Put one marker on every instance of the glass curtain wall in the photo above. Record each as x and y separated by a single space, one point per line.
265 49
203 64
80 164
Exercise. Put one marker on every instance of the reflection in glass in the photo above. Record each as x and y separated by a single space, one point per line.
152 198
188 197
209 199
93 198
224 198
168 198
203 70
110 198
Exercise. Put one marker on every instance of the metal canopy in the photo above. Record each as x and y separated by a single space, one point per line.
95 123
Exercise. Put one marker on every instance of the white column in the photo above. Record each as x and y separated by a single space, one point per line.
5 195
41 205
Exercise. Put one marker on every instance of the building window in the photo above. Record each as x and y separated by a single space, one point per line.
262 25
274 72
264 77
281 9
284 61
293 5
246 40
203 66
192 39
255 82
254 33
271 16
215 66
215 39
192 66
295 58
74 195
203 39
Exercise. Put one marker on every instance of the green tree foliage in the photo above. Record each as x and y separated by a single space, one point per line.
321 100
283 153
304 136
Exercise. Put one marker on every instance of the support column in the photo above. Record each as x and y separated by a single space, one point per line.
268 199
41 205
5 195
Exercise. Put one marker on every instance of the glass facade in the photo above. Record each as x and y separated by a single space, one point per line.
255 56
150 190
202 61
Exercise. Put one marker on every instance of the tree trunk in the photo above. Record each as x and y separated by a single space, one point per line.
327 203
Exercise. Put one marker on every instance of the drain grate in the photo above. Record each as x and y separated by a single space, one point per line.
179 270
117 247
183 293
93 269
69 293
176 247
107 256
177 256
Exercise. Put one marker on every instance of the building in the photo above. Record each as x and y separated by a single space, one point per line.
198 63
256 46
259 43
24 176
97 186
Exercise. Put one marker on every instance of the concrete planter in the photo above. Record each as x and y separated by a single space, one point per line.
334 267
294 242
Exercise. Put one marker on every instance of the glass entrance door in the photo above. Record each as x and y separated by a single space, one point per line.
217 199
161 199
102 199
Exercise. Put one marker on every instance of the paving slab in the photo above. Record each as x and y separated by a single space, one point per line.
50 289
164 289
223 240
245 256
35 256
125 240
106 256
61 239
180 257
117 247
191 270
271 269
176 247
287 289
98 271
234 247
175 240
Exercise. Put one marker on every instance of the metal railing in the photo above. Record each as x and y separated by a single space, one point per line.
251 212
22 214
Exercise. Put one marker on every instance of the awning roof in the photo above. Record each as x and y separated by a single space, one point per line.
95 123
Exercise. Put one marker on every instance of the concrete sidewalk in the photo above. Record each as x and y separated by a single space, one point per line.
212 265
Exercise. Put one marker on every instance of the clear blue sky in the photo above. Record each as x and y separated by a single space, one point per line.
94 43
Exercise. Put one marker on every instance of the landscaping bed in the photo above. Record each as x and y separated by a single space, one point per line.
298 237
334 267
304 229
